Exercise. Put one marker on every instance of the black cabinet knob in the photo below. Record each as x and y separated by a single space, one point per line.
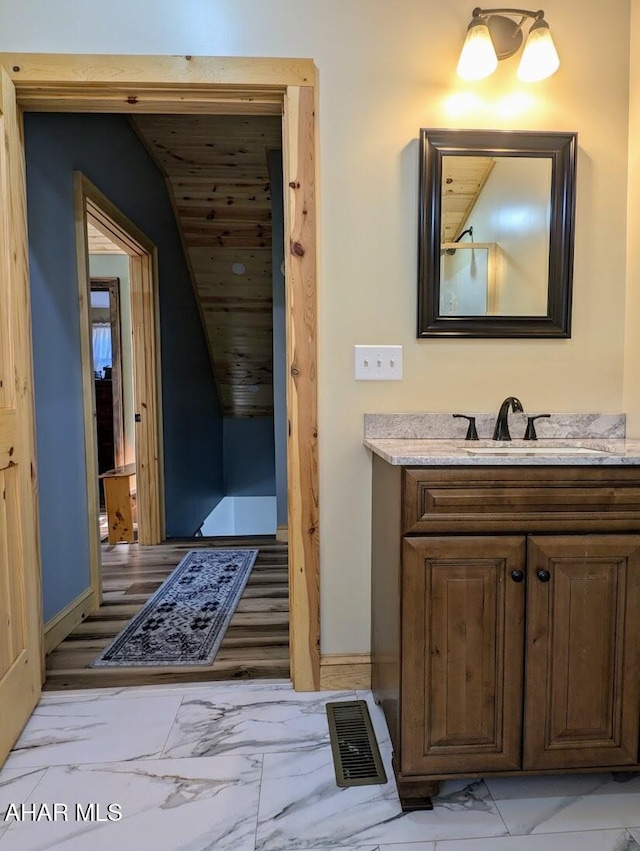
517 575
543 575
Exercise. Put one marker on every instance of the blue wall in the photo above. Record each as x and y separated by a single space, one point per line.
107 151
249 465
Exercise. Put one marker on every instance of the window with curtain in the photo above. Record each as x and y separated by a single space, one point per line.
102 355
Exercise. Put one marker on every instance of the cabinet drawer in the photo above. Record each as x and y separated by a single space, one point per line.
541 499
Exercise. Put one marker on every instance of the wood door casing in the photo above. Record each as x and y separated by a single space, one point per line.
462 650
583 657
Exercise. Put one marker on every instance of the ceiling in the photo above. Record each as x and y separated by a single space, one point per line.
462 182
218 180
98 243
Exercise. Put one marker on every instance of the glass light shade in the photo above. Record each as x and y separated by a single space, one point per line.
478 58
539 57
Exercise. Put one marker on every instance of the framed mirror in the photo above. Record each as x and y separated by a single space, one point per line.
496 230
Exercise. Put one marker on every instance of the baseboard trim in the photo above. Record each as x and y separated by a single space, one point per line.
59 627
345 671
282 534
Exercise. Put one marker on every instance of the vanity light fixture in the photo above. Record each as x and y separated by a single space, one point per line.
493 35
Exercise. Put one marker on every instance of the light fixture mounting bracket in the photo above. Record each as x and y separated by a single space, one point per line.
506 34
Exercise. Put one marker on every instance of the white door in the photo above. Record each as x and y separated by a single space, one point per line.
20 594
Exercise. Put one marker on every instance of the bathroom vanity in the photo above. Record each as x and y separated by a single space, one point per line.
506 608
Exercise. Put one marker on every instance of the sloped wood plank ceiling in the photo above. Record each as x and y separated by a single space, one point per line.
98 243
463 179
218 178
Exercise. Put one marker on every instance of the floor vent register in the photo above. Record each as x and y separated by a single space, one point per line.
356 756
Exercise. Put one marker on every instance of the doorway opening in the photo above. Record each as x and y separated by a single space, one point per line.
137 84
112 372
136 419
224 217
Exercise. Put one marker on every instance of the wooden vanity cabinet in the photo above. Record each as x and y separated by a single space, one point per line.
510 646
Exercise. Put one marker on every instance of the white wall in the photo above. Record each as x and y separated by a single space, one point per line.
513 211
242 515
632 335
385 70
117 266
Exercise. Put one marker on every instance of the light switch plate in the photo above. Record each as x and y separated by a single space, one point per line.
378 363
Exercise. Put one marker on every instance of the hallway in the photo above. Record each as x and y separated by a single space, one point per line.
256 644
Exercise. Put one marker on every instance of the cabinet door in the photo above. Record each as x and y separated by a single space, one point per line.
583 651
462 654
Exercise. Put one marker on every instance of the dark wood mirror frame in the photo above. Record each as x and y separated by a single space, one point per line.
561 148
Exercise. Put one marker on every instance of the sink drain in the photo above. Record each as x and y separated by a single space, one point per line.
356 756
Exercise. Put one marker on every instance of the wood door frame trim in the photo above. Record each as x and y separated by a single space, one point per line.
93 206
112 286
185 84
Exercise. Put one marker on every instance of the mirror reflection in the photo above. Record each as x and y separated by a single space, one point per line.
495 233
495 227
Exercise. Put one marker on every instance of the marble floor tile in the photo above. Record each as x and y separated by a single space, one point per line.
94 730
182 805
16 784
551 804
590 840
218 685
301 807
250 720
351 848
79 695
150 691
185 763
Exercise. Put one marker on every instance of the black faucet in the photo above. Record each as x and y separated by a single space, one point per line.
501 431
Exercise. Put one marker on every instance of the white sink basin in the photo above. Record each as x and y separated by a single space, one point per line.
535 450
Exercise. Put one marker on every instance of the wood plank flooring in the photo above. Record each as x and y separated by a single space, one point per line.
256 644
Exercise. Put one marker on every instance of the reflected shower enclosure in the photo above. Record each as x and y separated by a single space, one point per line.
468 280
503 205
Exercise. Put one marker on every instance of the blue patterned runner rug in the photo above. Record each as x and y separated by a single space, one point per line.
184 622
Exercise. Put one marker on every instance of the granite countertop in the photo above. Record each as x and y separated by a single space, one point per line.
438 440
441 452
